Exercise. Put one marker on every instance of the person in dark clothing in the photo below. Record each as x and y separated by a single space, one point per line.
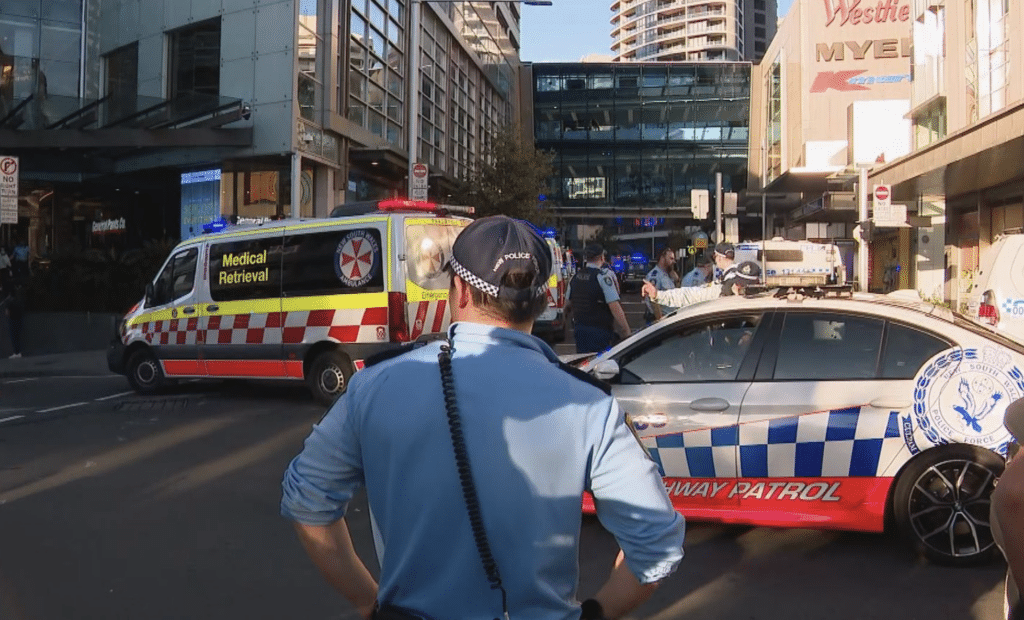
14 309
593 300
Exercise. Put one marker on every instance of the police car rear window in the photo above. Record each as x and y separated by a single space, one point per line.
781 256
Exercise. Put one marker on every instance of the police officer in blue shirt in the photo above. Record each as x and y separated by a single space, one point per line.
593 301
534 435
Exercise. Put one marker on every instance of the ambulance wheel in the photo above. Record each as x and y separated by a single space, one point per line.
941 504
329 375
144 372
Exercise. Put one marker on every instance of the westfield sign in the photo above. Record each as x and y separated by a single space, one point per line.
859 12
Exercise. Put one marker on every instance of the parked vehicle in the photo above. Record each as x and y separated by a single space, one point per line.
997 296
849 413
794 263
304 300
551 323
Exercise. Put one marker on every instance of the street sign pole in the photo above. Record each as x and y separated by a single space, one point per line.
9 189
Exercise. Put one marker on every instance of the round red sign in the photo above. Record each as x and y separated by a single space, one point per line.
882 192
419 170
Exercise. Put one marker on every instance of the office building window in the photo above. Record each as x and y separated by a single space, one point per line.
773 165
122 80
311 47
195 60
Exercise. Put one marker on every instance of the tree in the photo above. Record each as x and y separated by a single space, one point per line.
507 179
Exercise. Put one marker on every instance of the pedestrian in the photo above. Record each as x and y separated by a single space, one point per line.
19 261
593 301
14 308
701 273
1007 516
661 278
741 276
5 268
495 528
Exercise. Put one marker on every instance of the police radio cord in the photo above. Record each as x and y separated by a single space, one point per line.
469 494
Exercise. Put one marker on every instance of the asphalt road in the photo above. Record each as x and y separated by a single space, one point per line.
118 506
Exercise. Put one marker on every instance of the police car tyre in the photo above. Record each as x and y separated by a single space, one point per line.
941 504
329 375
144 372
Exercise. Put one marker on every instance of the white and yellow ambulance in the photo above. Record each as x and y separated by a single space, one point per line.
551 323
305 300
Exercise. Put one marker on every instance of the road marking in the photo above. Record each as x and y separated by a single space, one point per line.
61 407
21 380
113 396
13 417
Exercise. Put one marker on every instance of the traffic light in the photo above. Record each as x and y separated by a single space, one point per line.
867 231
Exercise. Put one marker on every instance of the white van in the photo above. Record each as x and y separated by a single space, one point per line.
304 300
997 296
794 263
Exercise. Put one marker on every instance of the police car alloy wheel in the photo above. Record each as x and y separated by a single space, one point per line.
329 376
144 372
941 504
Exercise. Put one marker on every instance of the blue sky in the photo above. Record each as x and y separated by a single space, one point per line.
571 29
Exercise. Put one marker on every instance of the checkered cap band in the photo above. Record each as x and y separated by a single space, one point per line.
472 280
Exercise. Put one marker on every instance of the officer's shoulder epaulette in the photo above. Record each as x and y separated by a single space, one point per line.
586 377
387 354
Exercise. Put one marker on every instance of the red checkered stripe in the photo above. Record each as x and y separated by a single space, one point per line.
172 331
429 318
355 325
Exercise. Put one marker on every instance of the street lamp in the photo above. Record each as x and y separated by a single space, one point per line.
414 77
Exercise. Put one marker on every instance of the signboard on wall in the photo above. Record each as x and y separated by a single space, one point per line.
9 189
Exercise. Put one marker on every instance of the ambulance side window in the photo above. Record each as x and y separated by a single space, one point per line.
247 269
331 263
177 278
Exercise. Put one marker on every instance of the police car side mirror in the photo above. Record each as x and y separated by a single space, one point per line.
606 370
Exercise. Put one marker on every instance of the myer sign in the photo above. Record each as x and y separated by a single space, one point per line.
8 189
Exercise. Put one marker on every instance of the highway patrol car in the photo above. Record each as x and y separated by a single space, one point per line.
848 413
303 300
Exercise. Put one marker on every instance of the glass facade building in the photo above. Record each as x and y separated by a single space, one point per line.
633 137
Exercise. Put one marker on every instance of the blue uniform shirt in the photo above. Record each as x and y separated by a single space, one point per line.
536 438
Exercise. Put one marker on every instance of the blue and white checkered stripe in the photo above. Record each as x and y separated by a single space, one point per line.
839 443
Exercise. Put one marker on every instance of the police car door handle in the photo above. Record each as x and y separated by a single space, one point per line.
188 310
212 308
891 403
709 404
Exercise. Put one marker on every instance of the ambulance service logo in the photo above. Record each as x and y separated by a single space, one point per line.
960 396
356 259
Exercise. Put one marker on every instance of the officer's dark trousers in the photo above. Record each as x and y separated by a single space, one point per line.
592 339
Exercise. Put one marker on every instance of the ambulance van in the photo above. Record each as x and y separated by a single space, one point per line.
301 300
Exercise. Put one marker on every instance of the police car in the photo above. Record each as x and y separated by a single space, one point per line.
849 412
298 300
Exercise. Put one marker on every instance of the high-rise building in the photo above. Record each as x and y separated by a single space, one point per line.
162 116
691 30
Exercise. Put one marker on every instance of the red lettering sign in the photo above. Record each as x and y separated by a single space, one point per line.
859 12
836 80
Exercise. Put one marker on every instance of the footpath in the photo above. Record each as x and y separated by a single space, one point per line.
58 344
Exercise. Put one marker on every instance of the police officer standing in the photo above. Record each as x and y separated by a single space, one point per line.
593 300
487 428
701 273
725 262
